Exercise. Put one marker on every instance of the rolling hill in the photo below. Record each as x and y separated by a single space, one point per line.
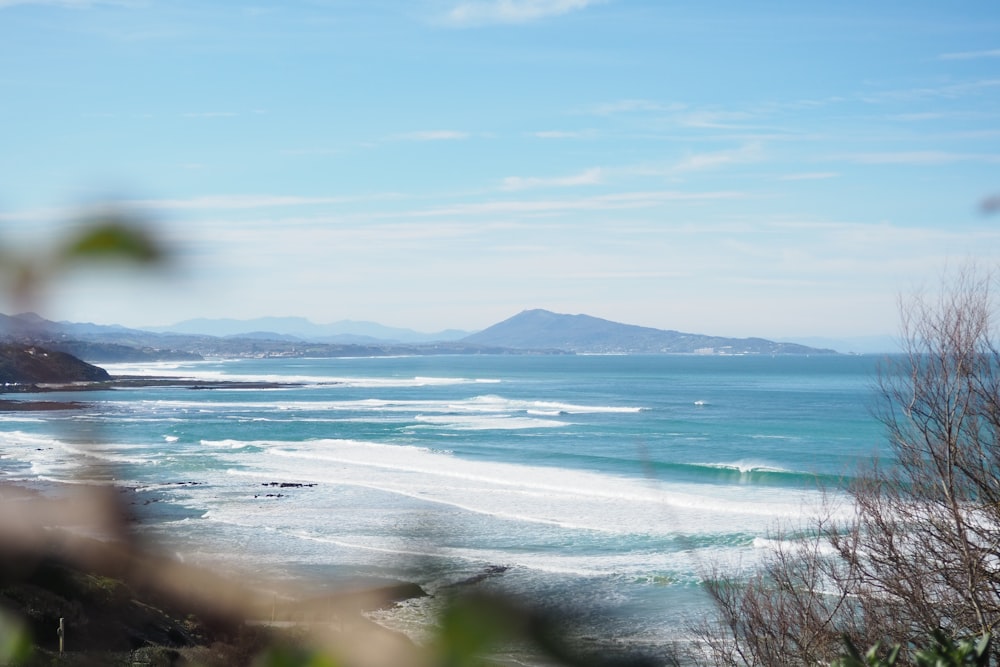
542 329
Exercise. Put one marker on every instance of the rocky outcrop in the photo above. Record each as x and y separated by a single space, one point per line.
25 365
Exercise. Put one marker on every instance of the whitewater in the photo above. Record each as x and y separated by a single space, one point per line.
609 485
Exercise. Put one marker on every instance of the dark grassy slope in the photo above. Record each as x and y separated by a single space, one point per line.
22 364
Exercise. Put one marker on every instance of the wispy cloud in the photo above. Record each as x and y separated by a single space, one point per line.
712 119
588 177
231 202
210 114
950 91
920 157
809 176
634 105
624 200
565 134
432 135
970 55
309 151
71 4
712 160
489 12
941 115
682 115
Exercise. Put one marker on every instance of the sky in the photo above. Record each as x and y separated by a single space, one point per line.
776 169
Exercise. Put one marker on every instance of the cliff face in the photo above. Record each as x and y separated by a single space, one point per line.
29 364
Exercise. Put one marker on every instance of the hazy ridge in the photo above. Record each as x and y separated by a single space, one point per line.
531 331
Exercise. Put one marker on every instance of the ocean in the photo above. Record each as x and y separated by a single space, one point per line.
611 486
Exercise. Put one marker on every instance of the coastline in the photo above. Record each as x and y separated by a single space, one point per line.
117 382
469 437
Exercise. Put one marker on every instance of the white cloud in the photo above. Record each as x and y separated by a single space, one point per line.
970 55
588 177
487 12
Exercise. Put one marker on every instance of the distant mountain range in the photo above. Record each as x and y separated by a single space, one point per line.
529 332
344 331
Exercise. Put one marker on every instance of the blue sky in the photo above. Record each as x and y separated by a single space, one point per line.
779 169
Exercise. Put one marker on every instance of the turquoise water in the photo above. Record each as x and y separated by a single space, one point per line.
611 484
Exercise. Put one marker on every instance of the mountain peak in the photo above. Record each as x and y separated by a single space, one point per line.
540 329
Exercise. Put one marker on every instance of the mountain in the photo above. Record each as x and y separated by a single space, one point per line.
279 328
542 329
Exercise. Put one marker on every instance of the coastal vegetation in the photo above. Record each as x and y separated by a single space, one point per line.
916 557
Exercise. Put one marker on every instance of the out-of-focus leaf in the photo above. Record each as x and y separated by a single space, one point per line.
473 626
112 238
872 658
15 642
283 656
947 652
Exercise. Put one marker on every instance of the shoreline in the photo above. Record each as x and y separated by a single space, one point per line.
118 382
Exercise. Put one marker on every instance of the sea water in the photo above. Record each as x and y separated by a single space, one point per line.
611 486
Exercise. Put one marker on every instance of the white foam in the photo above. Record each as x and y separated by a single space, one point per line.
149 368
209 373
493 422
744 467
231 444
106 453
563 498
475 413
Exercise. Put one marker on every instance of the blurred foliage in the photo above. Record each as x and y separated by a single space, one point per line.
946 652
471 627
942 651
101 240
872 657
111 237
15 640
286 656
